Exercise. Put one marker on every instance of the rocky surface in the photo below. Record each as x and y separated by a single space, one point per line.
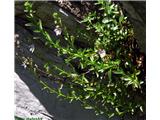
27 105
33 102
136 12
30 100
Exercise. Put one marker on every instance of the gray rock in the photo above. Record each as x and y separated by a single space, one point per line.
27 105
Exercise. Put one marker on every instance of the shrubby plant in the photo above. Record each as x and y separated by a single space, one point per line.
105 76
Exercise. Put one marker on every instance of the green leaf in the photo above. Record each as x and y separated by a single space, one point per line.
84 79
117 110
92 58
97 74
138 72
110 75
36 31
105 20
61 86
90 89
29 24
141 108
111 115
62 73
121 18
118 72
88 107
71 100
81 64
87 96
40 25
48 37
55 15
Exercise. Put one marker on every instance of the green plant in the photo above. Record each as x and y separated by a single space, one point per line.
18 118
105 76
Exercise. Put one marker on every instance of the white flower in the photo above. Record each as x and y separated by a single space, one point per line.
15 39
126 63
102 53
58 30
16 35
24 65
31 48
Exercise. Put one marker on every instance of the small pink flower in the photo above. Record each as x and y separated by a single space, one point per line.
102 53
58 30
